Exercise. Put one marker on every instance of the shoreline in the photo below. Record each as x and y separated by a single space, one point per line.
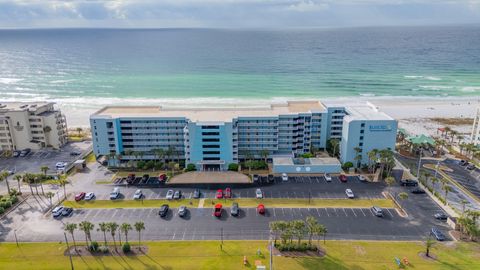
406 109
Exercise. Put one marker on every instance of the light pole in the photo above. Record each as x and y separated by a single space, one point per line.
436 168
419 163
16 239
68 249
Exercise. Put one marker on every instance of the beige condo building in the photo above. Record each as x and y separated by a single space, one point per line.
33 125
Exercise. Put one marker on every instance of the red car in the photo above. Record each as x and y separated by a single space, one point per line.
162 177
261 209
218 210
228 193
80 196
219 194
343 178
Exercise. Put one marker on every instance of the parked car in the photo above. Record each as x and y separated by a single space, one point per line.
258 194
270 178
463 163
261 209
163 210
61 164
138 194
377 211
471 167
25 152
362 178
234 210
228 193
182 211
145 178
196 193
284 177
343 178
67 211
57 211
409 183
130 178
217 211
437 234
75 153
162 177
89 196
255 178
418 191
219 194
328 177
115 194
169 195
349 193
177 195
440 216
16 153
80 196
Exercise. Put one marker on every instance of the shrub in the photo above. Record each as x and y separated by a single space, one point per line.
347 165
140 164
149 165
93 246
307 155
2 210
103 249
190 167
159 166
126 248
14 199
13 192
256 164
233 167
3 204
8 204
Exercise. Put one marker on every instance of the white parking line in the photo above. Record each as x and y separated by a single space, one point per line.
363 212
353 212
318 212
274 212
388 210
283 211
326 210
345 212
300 211
295 194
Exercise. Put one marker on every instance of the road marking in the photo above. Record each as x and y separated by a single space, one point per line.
318 212
295 194
353 212
345 212
326 210
283 211
300 211
363 212
388 210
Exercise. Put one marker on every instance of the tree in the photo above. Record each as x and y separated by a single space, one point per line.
4 176
19 178
50 195
447 189
79 131
264 153
429 243
299 229
86 227
103 227
125 228
44 170
275 230
29 179
358 156
112 228
139 227
63 182
70 228
372 159
312 224
320 230
434 180
389 181
159 154
403 196
463 202
334 143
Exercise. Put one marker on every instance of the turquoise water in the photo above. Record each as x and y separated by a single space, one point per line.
97 67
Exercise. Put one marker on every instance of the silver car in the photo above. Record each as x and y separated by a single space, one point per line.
169 195
138 194
182 211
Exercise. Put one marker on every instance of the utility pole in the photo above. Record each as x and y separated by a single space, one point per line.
270 246
419 163
68 249
436 168
15 233
309 196
221 237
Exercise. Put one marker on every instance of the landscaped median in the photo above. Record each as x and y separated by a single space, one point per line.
208 255
130 203
243 202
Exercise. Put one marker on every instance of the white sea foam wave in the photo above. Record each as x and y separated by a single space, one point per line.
470 89
436 87
61 81
10 80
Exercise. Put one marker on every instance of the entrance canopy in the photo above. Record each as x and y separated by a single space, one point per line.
421 139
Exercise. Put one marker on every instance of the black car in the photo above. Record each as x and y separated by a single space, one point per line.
196 193
25 152
437 234
471 167
234 210
67 211
75 153
163 210
463 163
270 178
16 153
418 191
440 216
145 178
409 183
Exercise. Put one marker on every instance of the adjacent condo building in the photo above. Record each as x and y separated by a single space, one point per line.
33 125
475 137
212 138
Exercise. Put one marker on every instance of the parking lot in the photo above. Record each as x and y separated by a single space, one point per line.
470 179
35 159
296 187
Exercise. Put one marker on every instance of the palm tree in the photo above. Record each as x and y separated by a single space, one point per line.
103 227
334 143
4 176
44 169
19 178
86 227
447 188
159 153
26 177
274 229
125 228
50 195
320 230
63 182
139 227
403 196
372 159
312 224
358 156
434 181
79 131
112 227
429 243
427 177
70 228
389 181
264 153
463 202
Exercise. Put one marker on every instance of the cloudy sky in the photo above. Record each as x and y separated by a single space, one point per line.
235 13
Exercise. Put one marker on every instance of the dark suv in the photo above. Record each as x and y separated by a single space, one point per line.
437 234
409 183
163 210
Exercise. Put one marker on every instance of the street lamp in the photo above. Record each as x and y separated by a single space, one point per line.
436 168
419 163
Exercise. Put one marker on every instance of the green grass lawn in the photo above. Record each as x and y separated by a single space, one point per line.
130 203
314 203
207 255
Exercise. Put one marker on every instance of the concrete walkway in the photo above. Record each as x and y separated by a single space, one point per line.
222 177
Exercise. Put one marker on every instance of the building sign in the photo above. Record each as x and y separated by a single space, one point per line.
380 127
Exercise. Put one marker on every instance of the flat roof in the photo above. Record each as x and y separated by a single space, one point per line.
366 112
308 161
22 106
224 114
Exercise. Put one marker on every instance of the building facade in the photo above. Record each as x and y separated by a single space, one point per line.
33 125
475 136
213 138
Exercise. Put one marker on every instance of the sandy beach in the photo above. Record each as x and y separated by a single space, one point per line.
413 114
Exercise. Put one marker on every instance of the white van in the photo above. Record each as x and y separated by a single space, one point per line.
115 193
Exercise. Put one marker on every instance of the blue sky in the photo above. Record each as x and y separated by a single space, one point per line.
235 13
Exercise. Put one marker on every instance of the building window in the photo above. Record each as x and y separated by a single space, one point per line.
210 140
362 125
211 152
210 133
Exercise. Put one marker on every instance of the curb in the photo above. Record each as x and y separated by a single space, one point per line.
14 207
